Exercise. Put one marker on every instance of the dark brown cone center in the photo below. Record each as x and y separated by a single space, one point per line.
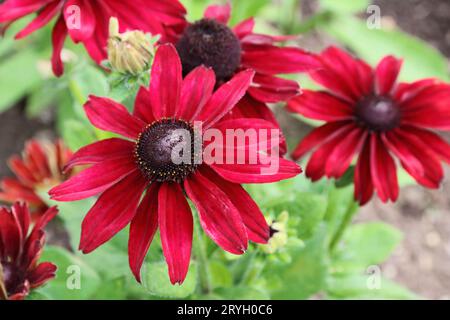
378 113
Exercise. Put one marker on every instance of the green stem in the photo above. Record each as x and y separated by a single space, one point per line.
202 259
352 209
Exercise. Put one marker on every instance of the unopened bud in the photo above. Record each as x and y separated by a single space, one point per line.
278 233
129 52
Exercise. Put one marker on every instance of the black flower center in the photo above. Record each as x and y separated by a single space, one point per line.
167 151
378 113
210 43
11 278
272 231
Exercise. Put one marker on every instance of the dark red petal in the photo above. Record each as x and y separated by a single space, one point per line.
321 105
317 163
257 227
384 172
197 89
271 89
44 17
176 229
363 178
386 74
114 209
94 180
10 235
219 13
109 115
142 230
109 149
407 91
346 76
84 28
21 170
12 10
278 169
143 106
272 60
225 98
340 159
317 137
165 83
244 28
41 274
59 35
218 216
438 145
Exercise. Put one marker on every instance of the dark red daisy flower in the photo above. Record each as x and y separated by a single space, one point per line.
227 51
20 251
87 21
39 169
141 162
369 114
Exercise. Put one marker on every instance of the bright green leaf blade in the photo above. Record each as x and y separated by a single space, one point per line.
347 6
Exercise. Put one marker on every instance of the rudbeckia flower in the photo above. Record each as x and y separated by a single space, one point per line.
20 250
87 21
140 162
229 50
38 169
370 115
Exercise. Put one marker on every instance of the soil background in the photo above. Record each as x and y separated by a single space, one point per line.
422 261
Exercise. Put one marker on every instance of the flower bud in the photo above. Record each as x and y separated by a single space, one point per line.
129 52
278 233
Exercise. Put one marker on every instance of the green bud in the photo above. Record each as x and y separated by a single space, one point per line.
130 52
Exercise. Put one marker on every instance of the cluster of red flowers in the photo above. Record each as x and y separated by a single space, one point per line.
224 77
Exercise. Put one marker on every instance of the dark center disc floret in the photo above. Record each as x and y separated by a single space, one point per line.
210 43
378 113
166 150
11 277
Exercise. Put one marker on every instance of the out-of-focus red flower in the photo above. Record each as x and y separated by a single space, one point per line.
227 50
40 168
20 250
141 162
369 114
87 21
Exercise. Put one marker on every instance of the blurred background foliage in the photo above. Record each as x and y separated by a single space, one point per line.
324 256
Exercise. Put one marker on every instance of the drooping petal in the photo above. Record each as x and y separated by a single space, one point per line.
317 137
386 74
12 10
165 83
383 170
109 115
59 35
142 230
114 209
321 105
225 98
197 89
44 272
438 145
80 19
257 228
94 180
218 216
109 149
219 13
363 178
176 229
271 89
44 17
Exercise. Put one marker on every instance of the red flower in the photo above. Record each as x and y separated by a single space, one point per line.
86 21
230 50
40 168
21 250
368 114
141 162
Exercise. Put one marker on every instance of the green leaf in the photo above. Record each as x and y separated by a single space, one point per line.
346 179
155 279
420 59
347 6
13 86
364 245
76 134
358 287
243 293
64 287
307 272
242 10
220 275
87 81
